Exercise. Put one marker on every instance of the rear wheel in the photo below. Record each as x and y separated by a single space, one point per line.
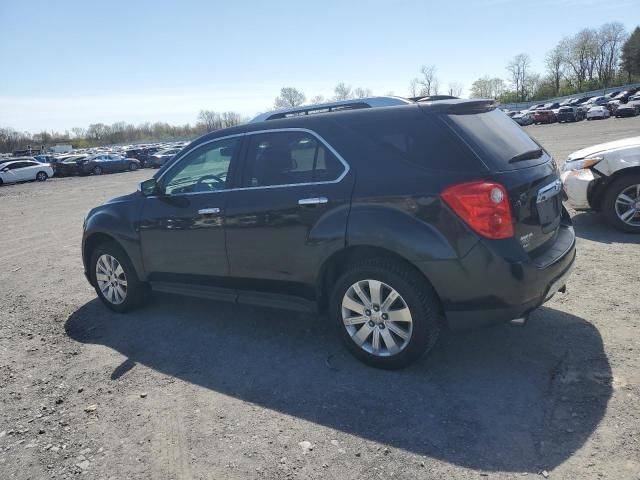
386 312
115 279
621 203
97 170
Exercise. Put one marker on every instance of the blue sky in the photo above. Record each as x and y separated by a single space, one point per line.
71 63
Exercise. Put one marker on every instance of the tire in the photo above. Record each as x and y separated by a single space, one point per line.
415 293
41 176
1 182
133 166
612 206
135 291
97 170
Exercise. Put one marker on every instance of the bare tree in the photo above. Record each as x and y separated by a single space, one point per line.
317 99
210 120
79 132
610 39
455 89
362 92
414 88
427 81
581 52
487 87
231 119
289 97
555 62
519 69
342 92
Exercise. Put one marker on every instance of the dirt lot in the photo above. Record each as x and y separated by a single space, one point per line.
189 388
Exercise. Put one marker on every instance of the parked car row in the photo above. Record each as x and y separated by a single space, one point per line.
618 104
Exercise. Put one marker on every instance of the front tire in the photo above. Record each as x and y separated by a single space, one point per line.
114 278
621 205
133 166
387 313
97 170
41 176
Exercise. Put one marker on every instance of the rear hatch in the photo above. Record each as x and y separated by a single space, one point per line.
522 166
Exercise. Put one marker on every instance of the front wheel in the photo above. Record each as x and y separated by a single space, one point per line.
133 166
621 203
41 176
97 170
387 313
115 279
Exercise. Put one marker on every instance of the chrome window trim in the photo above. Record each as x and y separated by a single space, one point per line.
344 173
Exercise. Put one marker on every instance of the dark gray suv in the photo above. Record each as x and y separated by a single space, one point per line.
400 221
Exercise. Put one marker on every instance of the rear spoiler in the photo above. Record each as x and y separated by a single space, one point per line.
458 107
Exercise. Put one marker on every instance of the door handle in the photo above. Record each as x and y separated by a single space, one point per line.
312 201
208 211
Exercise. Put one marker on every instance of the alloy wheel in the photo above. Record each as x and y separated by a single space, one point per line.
41 176
628 205
377 318
111 279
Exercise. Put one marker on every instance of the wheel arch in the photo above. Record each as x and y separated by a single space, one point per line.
597 194
340 261
97 238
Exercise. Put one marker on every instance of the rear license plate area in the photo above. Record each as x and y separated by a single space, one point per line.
549 206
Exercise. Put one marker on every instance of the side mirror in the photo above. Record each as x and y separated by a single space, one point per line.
149 187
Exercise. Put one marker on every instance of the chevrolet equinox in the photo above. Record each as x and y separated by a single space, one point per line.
399 221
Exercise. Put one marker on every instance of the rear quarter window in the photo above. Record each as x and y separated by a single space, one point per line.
416 137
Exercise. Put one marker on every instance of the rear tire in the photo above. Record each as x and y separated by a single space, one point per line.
391 342
116 283
616 207
97 170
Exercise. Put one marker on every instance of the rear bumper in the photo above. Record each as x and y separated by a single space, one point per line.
487 288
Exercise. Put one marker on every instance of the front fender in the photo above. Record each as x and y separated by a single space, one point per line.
118 221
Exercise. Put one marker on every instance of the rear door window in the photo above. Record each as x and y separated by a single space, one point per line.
498 140
289 158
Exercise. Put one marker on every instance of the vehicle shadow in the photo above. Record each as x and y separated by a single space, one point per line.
506 398
593 226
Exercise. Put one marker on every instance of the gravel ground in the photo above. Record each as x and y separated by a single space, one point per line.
188 388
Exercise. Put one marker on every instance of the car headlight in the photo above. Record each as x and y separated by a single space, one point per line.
581 164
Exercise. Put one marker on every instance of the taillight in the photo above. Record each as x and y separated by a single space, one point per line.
484 206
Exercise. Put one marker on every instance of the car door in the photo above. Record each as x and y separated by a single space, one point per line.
30 170
181 228
291 211
10 172
22 172
119 162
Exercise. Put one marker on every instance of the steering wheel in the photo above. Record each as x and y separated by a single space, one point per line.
202 180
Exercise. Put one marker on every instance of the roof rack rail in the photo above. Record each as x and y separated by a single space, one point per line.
370 102
433 98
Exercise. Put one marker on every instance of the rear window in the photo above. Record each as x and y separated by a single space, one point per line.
497 139
419 138
566 110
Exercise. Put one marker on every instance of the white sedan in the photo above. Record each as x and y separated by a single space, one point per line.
24 170
598 112
606 178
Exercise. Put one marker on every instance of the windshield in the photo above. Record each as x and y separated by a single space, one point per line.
498 140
